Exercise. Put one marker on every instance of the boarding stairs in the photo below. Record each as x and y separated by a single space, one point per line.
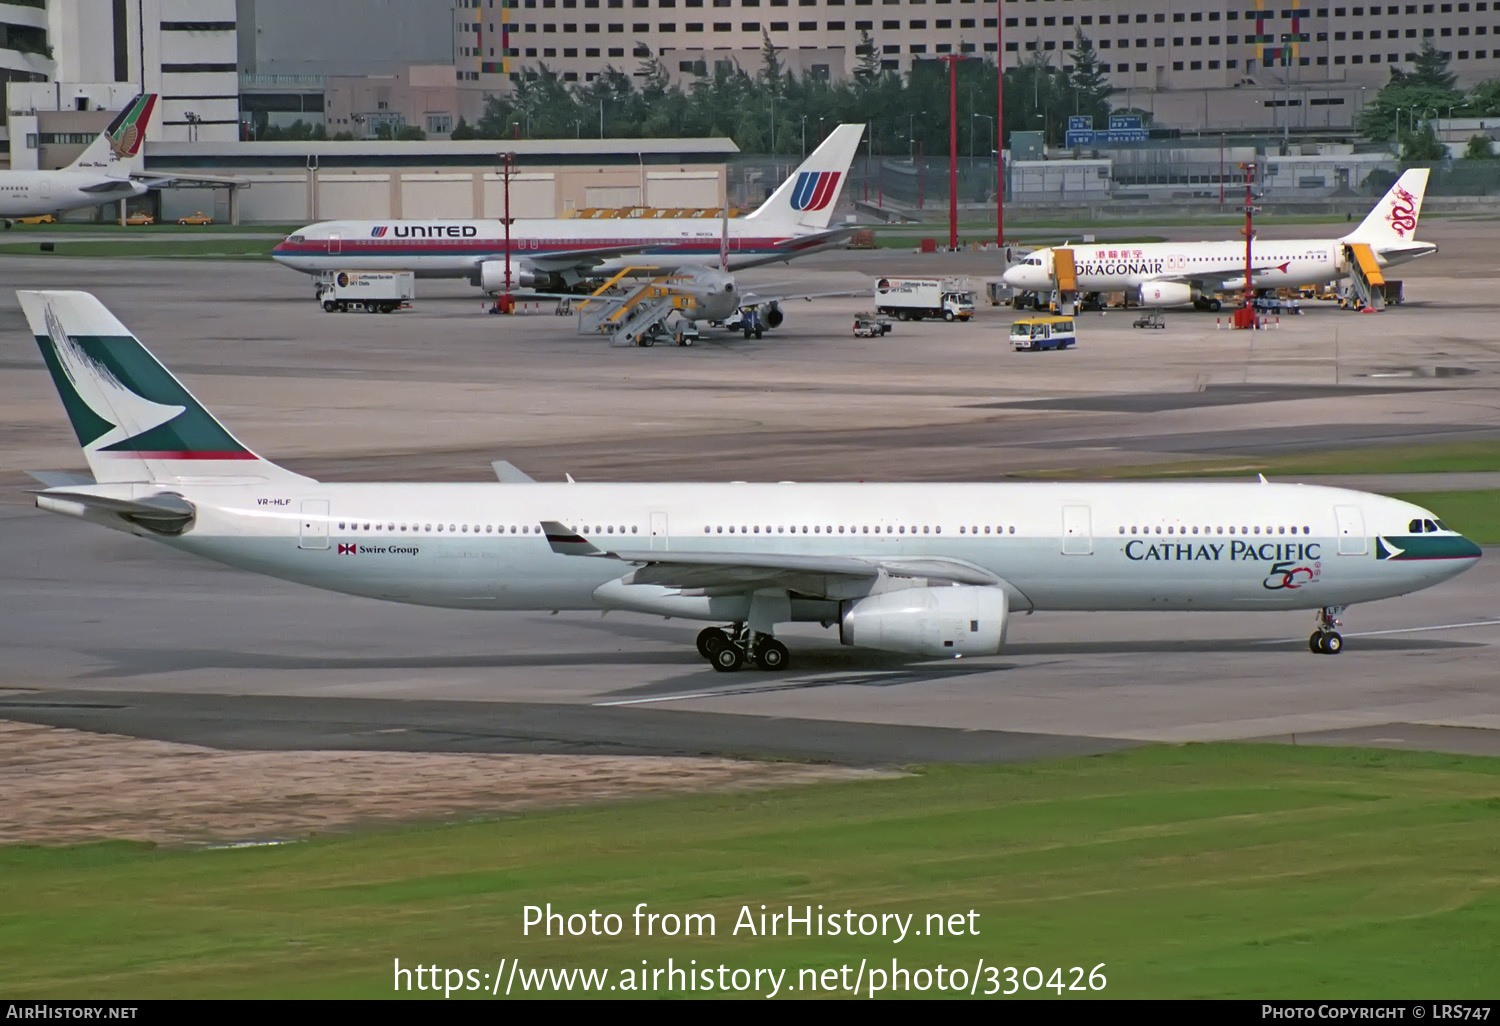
632 320
1365 279
1065 281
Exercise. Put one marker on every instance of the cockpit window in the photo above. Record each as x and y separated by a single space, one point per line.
1415 527
1430 525
294 238
1442 526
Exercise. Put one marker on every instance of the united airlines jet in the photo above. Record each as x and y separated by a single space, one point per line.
933 570
557 253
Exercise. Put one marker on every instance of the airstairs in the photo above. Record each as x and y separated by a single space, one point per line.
1065 280
1364 276
630 322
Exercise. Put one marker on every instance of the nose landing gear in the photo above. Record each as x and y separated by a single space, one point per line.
727 648
1326 640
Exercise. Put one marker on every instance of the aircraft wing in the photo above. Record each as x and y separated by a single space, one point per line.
788 248
770 295
566 259
1219 282
738 570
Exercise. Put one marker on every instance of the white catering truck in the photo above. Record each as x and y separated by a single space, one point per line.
911 299
372 291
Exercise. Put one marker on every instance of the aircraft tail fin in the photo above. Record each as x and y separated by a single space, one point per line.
1393 221
135 421
807 198
121 141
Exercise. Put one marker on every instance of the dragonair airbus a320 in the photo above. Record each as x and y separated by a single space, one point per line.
1167 274
933 570
557 253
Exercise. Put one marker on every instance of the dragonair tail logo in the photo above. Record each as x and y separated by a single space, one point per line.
815 189
128 130
1403 212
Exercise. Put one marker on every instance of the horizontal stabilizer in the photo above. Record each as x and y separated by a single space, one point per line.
167 513
61 478
118 185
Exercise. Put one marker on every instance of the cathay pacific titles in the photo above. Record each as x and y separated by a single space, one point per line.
1182 552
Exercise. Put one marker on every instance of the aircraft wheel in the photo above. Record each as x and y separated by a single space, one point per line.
727 659
710 640
771 655
1333 643
1214 306
1315 643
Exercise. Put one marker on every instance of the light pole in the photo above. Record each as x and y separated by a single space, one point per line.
804 137
601 117
192 120
952 62
991 127
911 130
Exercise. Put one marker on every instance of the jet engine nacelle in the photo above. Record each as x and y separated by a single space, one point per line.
772 315
1165 293
943 621
492 277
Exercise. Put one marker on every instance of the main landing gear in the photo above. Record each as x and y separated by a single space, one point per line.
727 648
1326 640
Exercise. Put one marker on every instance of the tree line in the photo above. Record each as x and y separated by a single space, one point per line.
769 109
1408 107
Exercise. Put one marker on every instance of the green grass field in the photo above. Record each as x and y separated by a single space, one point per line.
1197 871
160 246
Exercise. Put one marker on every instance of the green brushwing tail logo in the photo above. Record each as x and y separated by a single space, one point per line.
120 400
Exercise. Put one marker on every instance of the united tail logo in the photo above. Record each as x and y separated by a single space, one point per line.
815 189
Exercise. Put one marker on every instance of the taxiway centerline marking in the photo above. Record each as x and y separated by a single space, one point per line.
1395 630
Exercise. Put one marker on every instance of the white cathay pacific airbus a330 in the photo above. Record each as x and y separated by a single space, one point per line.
929 569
